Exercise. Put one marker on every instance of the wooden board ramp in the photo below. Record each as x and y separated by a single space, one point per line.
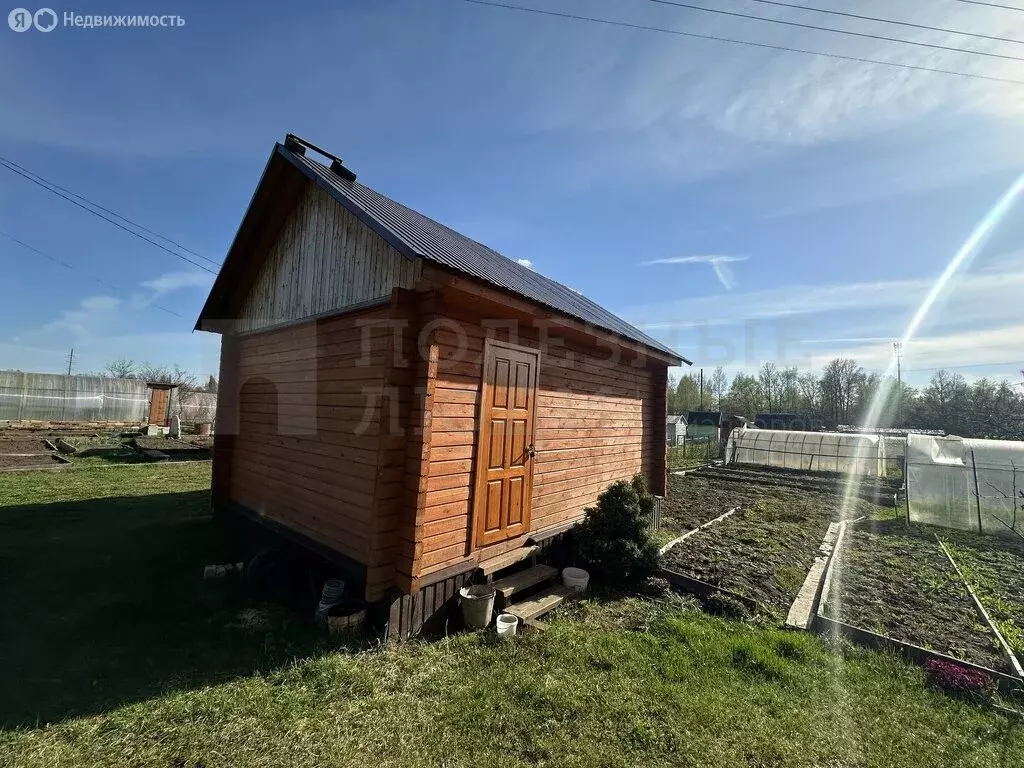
519 582
540 604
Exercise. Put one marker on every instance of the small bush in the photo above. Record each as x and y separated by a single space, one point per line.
613 541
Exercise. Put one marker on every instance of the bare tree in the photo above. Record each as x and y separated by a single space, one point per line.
719 385
770 381
121 368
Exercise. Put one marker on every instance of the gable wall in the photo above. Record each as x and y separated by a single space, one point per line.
597 422
325 259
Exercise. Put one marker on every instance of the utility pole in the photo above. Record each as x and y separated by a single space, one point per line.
71 360
898 348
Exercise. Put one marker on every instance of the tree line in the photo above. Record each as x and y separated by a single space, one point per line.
843 393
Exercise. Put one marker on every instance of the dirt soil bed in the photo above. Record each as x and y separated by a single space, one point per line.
994 565
894 580
22 445
43 461
694 499
825 479
764 551
176 449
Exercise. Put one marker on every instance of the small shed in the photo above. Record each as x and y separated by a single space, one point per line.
408 402
675 428
703 425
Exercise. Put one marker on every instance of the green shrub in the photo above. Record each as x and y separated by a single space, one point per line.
613 541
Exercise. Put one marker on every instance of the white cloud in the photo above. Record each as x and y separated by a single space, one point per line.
80 321
723 272
980 293
173 281
525 263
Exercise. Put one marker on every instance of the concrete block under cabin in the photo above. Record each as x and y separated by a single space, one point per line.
408 403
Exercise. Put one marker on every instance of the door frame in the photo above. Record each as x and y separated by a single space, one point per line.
479 470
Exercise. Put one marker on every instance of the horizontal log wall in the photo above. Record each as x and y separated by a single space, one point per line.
306 427
325 259
597 421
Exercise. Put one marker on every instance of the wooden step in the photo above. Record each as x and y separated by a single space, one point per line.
523 580
496 564
540 603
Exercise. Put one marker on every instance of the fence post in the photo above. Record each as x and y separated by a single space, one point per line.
24 396
977 489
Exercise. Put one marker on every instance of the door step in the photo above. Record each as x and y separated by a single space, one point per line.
523 580
539 604
495 564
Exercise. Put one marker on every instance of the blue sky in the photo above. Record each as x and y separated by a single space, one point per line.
741 204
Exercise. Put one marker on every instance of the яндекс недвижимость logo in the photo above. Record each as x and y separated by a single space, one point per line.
22 19
46 20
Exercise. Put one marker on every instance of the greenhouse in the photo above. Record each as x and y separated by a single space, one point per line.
809 451
962 483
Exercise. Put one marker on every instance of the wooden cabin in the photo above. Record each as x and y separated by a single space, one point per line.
407 402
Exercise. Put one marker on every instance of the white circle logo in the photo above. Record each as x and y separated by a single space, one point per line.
45 19
20 19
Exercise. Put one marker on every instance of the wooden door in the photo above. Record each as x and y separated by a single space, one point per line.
158 406
504 463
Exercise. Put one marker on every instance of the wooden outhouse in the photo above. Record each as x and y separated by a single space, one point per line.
407 402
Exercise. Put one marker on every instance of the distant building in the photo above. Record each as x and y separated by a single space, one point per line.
797 422
703 424
675 428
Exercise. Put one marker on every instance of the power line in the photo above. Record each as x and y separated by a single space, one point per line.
4 164
107 210
895 22
74 269
867 35
993 5
736 41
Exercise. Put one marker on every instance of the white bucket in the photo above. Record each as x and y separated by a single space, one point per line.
575 579
506 624
477 605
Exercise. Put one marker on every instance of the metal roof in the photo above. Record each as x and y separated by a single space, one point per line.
416 235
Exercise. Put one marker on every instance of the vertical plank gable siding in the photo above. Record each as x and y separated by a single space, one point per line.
325 259
596 423
308 434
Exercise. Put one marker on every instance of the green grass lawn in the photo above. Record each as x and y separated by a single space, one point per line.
116 653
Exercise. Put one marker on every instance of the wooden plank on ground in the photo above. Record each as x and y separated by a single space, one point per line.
539 604
523 580
801 613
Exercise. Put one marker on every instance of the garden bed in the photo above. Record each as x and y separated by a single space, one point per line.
694 499
176 450
25 453
762 552
894 580
994 566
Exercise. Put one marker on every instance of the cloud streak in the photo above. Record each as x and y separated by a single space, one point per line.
719 263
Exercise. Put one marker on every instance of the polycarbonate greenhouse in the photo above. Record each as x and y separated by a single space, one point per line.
957 482
810 451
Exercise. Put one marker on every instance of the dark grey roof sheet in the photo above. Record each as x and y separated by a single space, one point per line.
420 236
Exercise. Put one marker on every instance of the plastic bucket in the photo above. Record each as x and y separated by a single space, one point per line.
575 579
477 605
506 624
